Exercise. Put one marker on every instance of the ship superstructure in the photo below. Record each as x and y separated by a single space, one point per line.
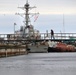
27 31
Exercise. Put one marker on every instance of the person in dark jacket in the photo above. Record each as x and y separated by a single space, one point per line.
52 34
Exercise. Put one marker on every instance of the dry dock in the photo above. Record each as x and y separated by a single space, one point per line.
12 50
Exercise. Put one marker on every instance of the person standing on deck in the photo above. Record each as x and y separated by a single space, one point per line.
52 34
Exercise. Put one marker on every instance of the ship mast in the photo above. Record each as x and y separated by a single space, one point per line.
26 8
26 21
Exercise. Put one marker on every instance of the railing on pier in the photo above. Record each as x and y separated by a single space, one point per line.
59 35
42 36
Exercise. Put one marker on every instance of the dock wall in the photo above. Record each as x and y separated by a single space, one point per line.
8 50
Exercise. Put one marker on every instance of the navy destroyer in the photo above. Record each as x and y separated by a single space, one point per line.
27 31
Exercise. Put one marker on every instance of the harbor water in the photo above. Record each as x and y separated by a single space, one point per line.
39 64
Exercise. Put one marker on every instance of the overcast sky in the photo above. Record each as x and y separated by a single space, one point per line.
43 6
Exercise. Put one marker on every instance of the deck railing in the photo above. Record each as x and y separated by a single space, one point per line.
59 35
42 36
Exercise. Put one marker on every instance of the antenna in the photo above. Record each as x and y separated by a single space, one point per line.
26 1
63 25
